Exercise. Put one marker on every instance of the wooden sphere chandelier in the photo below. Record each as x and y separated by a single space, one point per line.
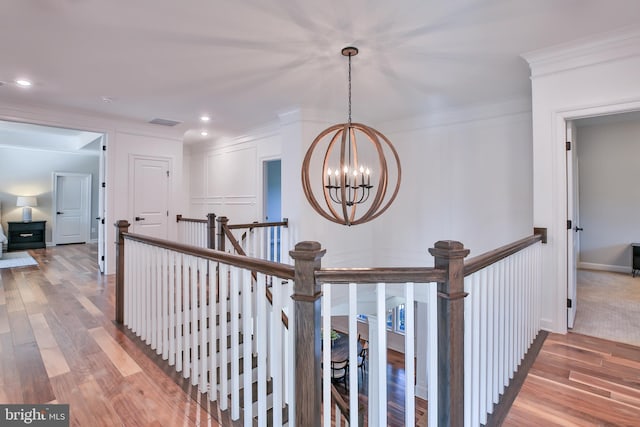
352 183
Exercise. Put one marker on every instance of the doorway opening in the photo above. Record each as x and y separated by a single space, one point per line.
607 296
32 154
272 203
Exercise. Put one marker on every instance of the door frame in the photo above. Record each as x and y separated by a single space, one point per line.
560 119
86 209
265 181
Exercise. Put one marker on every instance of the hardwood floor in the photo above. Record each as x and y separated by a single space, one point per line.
580 381
58 344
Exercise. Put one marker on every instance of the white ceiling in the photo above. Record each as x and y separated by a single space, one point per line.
244 62
30 136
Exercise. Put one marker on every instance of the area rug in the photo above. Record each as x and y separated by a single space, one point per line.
608 306
16 259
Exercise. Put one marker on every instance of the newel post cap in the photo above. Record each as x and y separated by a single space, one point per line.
307 250
448 249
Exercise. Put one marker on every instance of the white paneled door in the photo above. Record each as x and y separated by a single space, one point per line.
150 193
72 207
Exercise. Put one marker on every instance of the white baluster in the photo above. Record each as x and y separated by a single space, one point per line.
202 303
235 353
165 303
171 260
409 366
482 353
326 355
186 346
262 352
213 365
177 259
248 337
432 354
381 360
157 293
468 354
291 333
193 286
353 354
475 346
278 349
223 286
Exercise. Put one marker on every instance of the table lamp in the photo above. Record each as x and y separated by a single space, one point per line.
26 203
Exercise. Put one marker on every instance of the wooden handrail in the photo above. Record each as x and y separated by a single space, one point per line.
343 406
252 225
375 275
259 265
479 262
180 218
236 245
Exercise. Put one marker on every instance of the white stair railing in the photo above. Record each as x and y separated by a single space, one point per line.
502 319
177 300
197 232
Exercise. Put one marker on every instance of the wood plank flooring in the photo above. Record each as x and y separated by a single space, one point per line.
58 344
578 380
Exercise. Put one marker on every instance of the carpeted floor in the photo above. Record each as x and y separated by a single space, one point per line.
16 259
608 306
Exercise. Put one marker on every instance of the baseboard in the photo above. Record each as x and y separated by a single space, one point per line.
421 392
501 410
605 267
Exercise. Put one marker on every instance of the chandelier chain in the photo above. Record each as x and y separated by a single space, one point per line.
349 89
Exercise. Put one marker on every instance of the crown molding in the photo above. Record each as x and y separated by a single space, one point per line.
583 52
82 120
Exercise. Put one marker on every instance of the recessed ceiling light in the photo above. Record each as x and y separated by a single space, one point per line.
107 99
23 82
205 118
204 133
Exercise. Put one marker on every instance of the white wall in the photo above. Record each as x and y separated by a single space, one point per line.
609 207
590 78
225 177
124 137
29 172
468 180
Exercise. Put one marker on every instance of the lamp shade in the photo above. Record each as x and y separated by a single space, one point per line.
29 201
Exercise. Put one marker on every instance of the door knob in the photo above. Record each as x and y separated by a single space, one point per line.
59 213
578 229
139 218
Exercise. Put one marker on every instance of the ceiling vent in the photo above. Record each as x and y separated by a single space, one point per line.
164 122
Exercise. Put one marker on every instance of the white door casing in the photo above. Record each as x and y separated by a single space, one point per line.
71 207
149 195
102 209
573 235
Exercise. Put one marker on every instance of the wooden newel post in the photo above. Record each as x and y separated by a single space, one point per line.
122 226
222 223
449 255
211 231
306 296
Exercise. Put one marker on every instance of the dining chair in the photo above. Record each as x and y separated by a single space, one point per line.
340 372
362 359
